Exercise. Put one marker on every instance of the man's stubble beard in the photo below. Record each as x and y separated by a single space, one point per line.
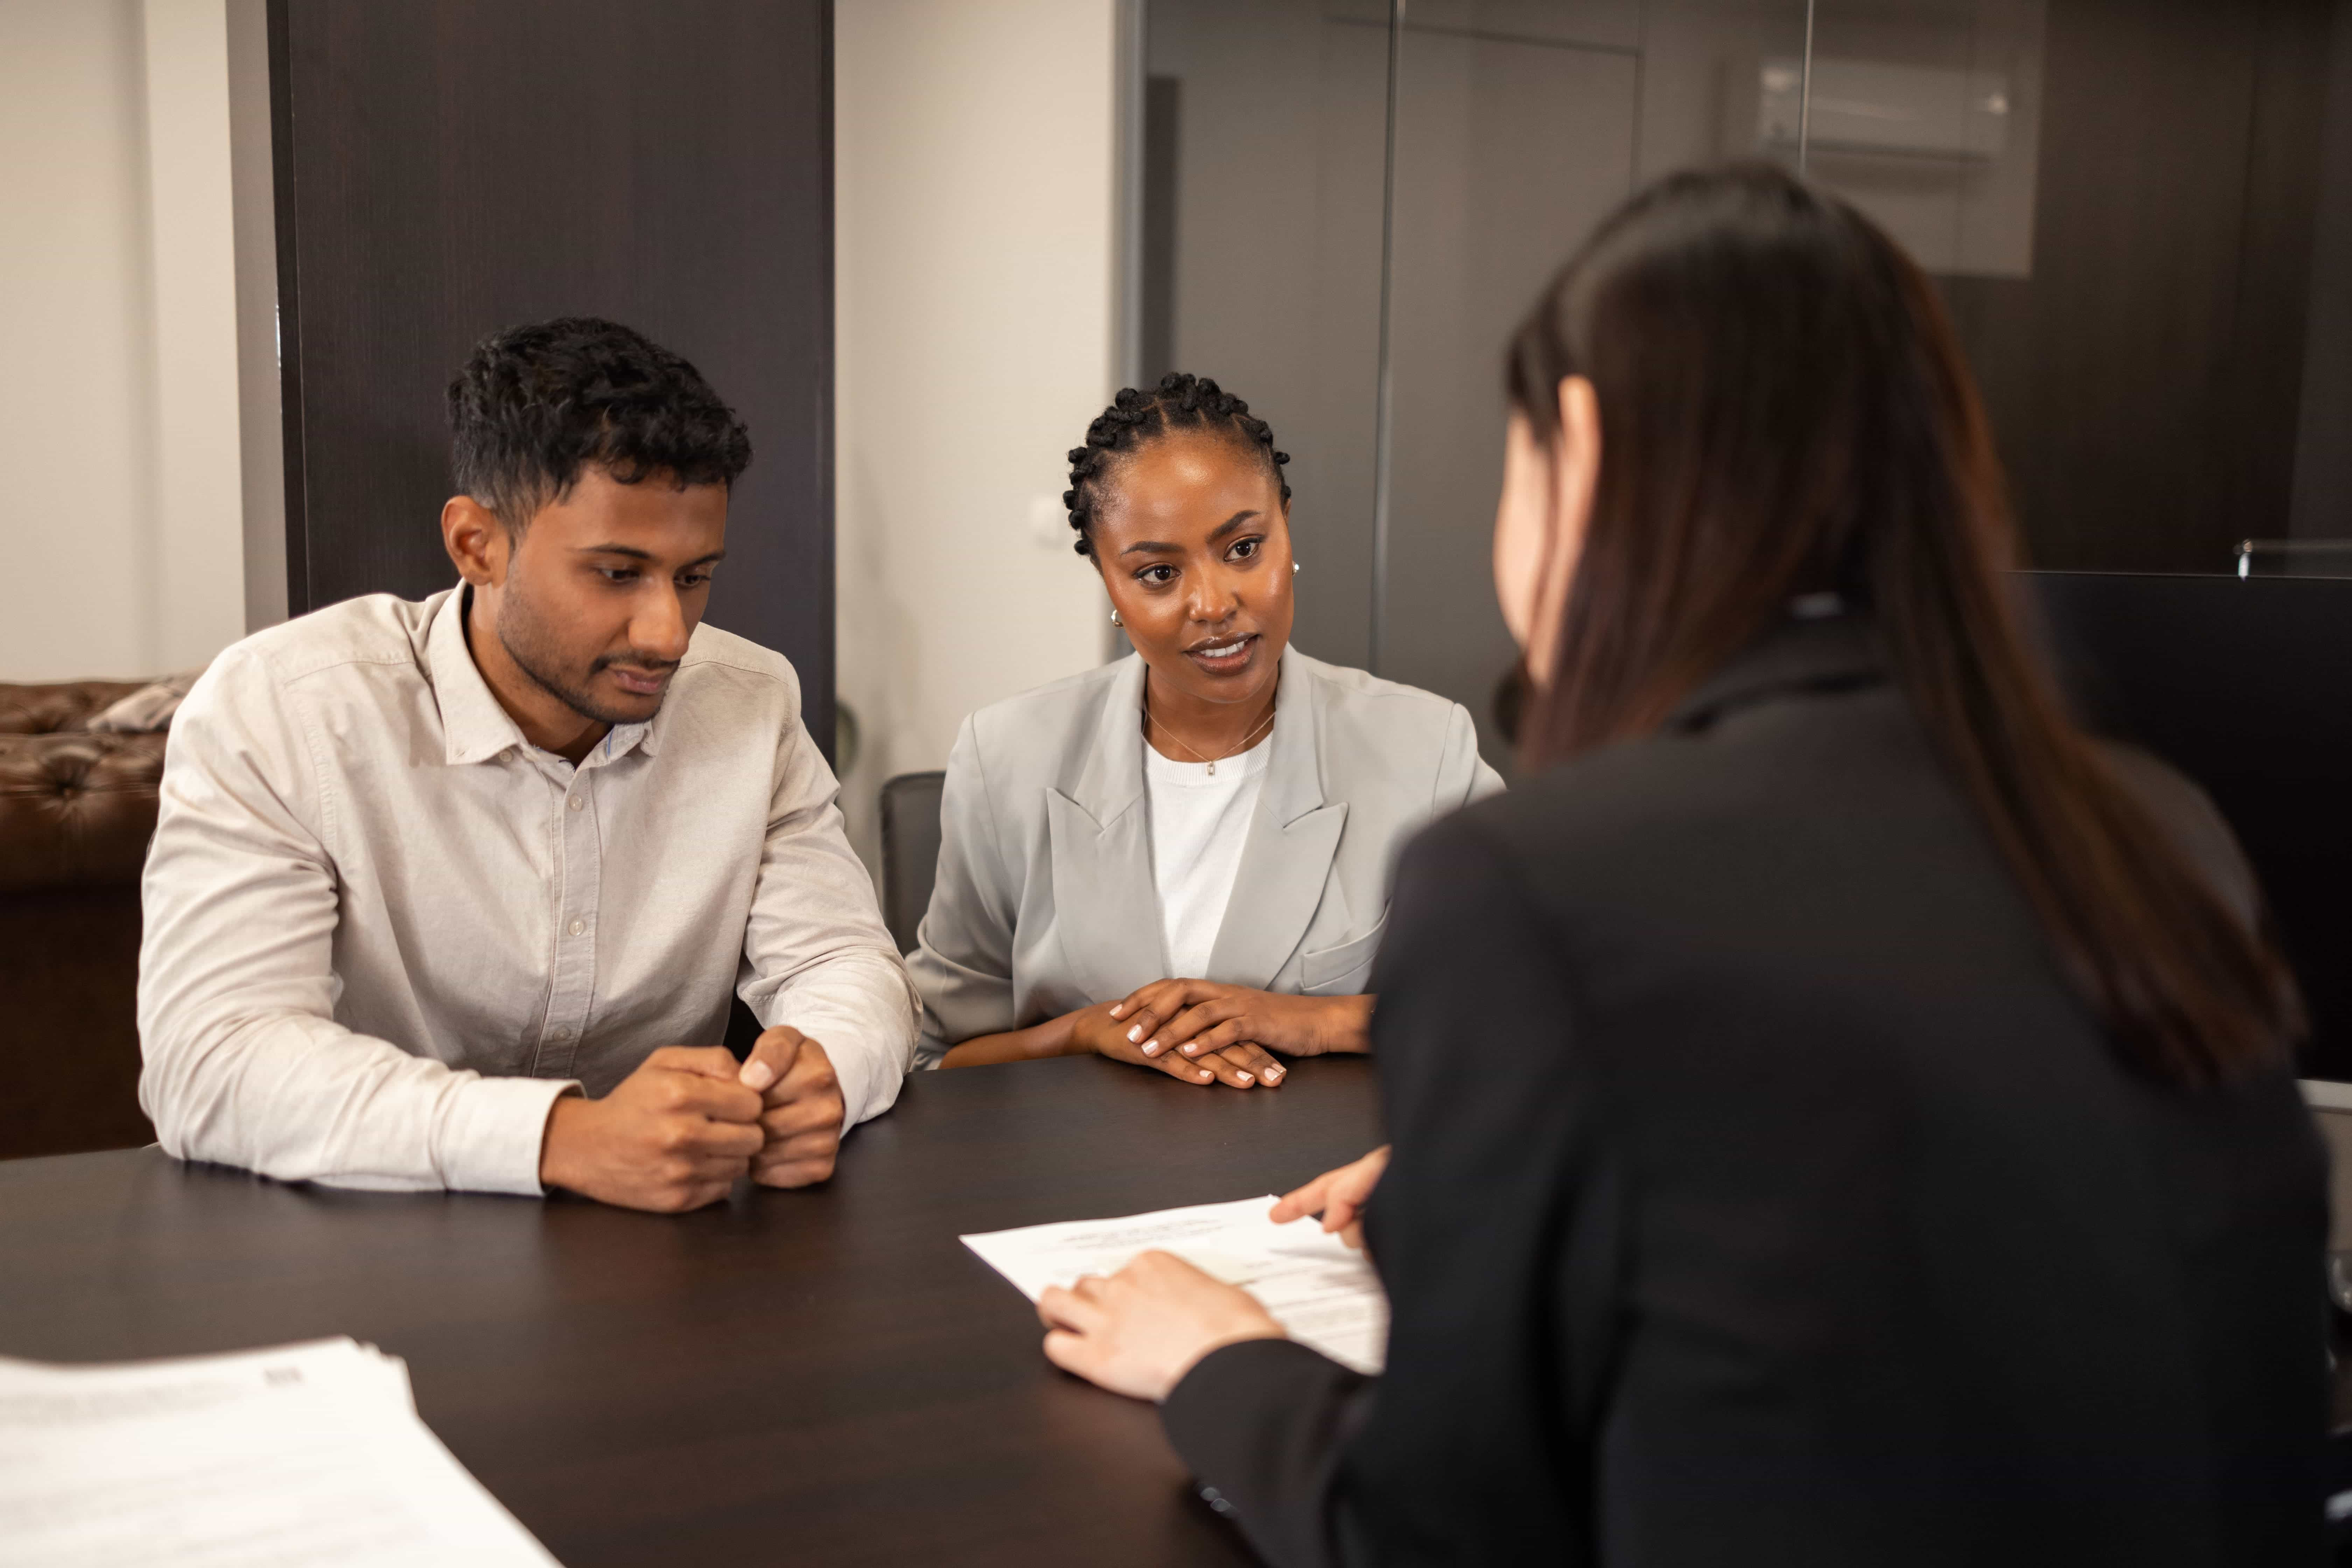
520 632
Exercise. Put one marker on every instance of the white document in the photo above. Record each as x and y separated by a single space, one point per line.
308 1455
1322 1291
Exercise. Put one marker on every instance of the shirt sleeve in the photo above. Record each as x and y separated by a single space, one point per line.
816 953
244 1063
963 962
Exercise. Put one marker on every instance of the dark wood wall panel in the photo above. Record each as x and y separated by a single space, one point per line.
2144 383
448 167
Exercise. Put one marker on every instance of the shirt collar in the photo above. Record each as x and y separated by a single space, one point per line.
1801 652
622 739
473 727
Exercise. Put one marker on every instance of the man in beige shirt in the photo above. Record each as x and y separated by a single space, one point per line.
424 873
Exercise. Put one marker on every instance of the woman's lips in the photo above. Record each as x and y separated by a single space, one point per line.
1226 657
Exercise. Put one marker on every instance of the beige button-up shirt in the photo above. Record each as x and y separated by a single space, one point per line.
383 931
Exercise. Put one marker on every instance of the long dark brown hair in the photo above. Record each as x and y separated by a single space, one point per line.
1784 411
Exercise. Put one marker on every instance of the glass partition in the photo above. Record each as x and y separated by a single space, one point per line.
1264 163
2141 216
2138 218
1519 124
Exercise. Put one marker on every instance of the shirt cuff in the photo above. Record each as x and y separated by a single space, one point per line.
870 1050
493 1132
869 1075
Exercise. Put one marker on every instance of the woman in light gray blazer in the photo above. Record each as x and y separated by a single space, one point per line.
1180 859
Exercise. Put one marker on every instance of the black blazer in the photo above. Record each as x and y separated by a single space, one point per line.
1761 1195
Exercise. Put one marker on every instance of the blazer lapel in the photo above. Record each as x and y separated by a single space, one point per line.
1287 857
1106 908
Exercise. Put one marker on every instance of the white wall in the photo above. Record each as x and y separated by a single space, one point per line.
260 431
198 575
975 314
118 406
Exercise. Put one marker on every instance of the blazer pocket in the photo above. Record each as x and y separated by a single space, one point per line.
1322 972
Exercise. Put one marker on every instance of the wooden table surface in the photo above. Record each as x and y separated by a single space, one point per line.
816 1377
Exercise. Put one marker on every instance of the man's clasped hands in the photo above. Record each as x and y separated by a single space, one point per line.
692 1120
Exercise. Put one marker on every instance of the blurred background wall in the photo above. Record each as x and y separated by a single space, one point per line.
977 197
119 391
976 226
2139 211
2134 209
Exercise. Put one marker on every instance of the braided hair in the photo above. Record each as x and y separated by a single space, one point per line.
1181 401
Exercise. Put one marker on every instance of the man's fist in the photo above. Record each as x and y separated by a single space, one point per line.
801 1109
673 1135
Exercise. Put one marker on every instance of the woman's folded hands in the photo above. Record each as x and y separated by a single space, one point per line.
1109 1029
1203 1031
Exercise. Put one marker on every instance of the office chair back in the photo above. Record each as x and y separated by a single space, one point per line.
910 851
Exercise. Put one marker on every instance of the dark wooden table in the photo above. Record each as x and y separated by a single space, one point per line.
815 1377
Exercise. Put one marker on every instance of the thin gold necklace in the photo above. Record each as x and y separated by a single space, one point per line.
1246 742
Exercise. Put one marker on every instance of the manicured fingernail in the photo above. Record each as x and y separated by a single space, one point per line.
1153 1048
758 1074
1135 1034
1191 1048
1273 1073
1116 1008
1205 1073
1245 1077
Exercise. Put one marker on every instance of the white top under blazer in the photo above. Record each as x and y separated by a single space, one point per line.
1200 821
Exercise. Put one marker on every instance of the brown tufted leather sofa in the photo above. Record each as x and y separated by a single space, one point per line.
77 809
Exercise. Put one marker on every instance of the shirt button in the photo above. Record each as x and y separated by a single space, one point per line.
559 1034
578 926
577 803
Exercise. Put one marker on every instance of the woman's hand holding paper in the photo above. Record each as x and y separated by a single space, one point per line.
1138 1331
1339 1197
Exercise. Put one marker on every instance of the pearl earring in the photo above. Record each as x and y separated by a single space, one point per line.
1115 620
1294 568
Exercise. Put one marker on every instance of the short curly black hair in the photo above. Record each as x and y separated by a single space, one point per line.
1179 401
536 404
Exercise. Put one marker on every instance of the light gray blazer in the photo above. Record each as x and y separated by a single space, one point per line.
1045 901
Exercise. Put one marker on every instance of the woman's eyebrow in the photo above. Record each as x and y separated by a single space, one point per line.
1159 547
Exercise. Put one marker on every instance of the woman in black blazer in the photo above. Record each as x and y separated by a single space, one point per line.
1840 1114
